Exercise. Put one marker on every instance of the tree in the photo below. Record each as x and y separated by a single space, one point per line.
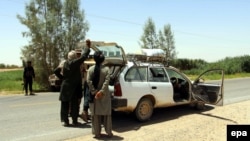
166 42
49 31
163 40
75 26
149 37
2 66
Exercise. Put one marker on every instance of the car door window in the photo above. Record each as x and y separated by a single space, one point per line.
136 74
157 75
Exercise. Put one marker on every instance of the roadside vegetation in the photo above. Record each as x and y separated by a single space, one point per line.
235 67
53 28
56 27
12 82
3 66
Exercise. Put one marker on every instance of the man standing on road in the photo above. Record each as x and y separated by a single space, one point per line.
98 77
28 75
85 115
71 86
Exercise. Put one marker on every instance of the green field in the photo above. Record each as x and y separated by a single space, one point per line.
11 81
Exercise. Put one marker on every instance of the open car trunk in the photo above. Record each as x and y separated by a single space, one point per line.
115 58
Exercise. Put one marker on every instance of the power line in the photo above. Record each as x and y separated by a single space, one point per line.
182 32
108 32
205 36
133 23
112 19
18 1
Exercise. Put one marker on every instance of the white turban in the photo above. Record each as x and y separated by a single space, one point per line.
72 55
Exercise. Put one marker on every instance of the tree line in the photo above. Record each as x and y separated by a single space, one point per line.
54 28
6 66
230 65
57 26
161 39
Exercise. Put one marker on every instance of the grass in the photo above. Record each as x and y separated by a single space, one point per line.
217 76
238 75
11 82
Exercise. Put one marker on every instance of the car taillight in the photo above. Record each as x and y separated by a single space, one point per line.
118 90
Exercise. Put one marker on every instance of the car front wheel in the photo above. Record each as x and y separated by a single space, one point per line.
144 109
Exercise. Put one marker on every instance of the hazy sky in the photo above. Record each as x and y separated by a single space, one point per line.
203 29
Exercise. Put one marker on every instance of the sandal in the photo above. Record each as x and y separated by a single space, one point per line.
110 135
97 136
84 117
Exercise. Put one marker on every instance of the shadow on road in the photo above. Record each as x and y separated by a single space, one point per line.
80 125
123 122
219 117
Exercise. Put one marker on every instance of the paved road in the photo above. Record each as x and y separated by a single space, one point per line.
236 90
28 118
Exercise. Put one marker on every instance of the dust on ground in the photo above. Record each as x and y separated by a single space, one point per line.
208 125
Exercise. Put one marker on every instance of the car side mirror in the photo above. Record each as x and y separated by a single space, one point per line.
200 80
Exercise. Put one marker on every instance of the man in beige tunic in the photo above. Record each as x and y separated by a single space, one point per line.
98 81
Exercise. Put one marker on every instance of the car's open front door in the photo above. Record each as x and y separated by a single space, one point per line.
208 87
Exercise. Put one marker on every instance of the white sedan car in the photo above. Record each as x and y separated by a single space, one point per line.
145 83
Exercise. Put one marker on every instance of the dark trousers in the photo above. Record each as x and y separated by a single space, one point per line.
64 111
74 108
28 83
86 94
71 106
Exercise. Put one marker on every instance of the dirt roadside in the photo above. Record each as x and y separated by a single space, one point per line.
208 125
3 70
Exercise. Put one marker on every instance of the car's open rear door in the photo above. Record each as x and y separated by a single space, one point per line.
208 87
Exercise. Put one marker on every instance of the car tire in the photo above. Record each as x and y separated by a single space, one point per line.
54 89
144 109
200 105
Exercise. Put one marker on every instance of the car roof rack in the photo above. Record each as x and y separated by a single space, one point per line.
140 59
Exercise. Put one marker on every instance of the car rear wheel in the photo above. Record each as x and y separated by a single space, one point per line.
144 109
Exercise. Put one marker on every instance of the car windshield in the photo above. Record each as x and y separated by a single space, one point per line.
175 74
